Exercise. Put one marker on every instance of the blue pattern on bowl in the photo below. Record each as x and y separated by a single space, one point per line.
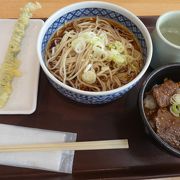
88 99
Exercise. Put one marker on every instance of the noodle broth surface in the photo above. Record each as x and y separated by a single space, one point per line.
94 54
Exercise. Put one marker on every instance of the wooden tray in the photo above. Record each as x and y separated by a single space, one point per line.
119 119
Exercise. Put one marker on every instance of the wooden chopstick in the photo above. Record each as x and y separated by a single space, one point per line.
86 145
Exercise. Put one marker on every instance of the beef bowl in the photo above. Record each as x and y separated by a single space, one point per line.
94 52
159 105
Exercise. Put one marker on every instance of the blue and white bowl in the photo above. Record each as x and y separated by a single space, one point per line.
93 8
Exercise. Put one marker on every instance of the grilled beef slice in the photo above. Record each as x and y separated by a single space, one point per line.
168 127
163 92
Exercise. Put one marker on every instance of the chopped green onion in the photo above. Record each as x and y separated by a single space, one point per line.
175 107
89 75
175 110
88 36
117 57
78 45
100 47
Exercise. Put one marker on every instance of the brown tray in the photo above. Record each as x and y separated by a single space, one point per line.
119 119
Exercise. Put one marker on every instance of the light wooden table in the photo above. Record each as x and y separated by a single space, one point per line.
10 9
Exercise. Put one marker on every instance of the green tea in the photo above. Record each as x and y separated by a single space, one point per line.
172 34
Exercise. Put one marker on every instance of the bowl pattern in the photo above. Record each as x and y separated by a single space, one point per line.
90 99
84 12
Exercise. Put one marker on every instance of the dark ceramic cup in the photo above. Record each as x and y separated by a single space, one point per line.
171 71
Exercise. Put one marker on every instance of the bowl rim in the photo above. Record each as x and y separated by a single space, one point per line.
142 112
96 4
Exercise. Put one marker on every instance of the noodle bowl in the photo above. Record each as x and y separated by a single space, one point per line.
94 54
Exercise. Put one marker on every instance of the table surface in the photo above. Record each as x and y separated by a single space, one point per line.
10 8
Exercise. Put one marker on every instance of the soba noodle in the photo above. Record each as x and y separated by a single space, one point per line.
93 54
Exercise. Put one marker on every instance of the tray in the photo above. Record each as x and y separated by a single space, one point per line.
119 119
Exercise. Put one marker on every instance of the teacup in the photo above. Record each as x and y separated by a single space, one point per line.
166 40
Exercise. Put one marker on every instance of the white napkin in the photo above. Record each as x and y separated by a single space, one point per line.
59 161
